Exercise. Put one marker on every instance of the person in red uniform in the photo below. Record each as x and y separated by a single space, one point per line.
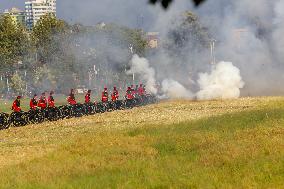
141 90
42 103
105 95
114 95
129 94
16 107
71 98
88 96
50 100
33 102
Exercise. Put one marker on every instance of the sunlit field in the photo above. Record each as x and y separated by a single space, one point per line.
172 144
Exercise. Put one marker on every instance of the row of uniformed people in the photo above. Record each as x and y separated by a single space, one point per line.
131 93
44 102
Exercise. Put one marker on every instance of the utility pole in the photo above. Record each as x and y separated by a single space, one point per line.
90 79
132 52
212 51
238 35
26 81
8 87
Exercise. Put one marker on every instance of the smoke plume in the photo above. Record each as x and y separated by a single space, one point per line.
224 82
141 66
173 89
247 33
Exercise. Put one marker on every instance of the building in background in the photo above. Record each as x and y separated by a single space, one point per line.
240 37
35 9
153 40
18 16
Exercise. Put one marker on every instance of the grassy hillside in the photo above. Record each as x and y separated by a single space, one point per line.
175 144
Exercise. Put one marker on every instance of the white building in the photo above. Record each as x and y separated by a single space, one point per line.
35 9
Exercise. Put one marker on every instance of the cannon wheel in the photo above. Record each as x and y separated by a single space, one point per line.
130 103
78 110
100 107
90 109
52 114
4 121
66 112
36 116
19 119
112 106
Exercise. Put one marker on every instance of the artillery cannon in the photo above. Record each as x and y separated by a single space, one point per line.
36 116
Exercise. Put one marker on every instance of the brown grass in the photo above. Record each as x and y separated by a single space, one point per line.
19 146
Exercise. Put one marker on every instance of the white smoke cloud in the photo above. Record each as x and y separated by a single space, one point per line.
277 34
173 89
141 66
224 82
260 45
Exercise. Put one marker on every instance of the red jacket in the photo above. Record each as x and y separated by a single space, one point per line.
33 104
129 95
114 95
16 107
42 103
105 96
51 102
141 91
71 100
88 98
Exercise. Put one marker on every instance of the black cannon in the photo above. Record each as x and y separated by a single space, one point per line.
36 116
4 121
78 110
52 114
65 111
19 119
90 108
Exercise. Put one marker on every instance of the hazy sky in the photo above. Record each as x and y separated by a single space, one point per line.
127 12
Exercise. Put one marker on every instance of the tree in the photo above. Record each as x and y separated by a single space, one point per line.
18 84
136 38
187 34
14 42
63 56
48 36
107 46
53 42
3 86
122 37
43 79
185 41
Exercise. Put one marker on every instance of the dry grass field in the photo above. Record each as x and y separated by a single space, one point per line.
173 144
